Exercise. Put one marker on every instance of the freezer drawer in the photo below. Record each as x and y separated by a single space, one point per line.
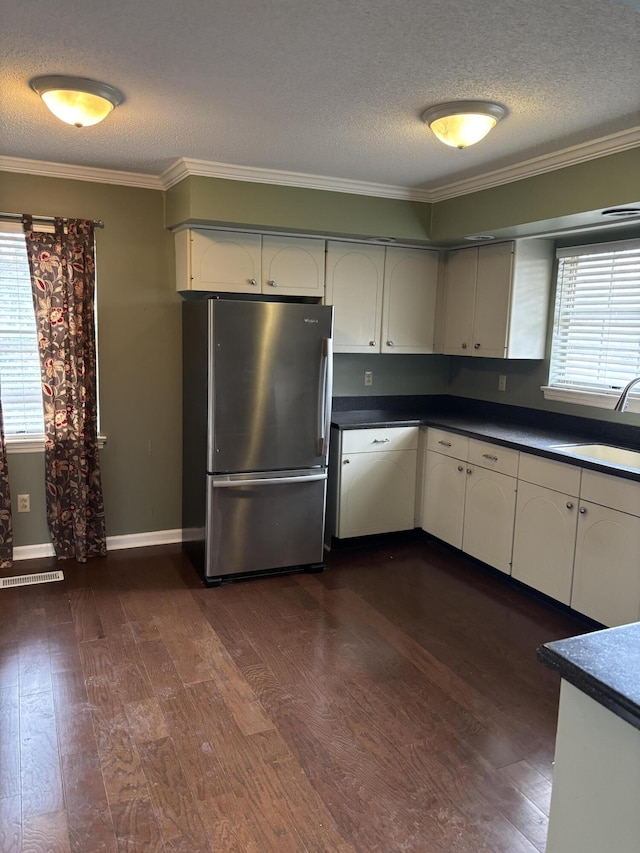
258 523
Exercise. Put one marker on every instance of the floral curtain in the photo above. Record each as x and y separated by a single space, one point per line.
63 286
6 529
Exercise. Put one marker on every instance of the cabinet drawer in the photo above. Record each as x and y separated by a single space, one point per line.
614 492
494 457
382 438
449 443
550 474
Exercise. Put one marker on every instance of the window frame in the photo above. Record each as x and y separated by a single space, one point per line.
599 398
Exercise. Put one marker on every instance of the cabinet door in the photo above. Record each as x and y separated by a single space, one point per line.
459 295
489 510
544 540
225 261
606 577
292 266
409 305
493 291
443 497
354 288
377 492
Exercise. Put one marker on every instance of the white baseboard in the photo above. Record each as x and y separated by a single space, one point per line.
114 543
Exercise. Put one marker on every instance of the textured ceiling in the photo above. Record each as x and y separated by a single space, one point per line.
324 87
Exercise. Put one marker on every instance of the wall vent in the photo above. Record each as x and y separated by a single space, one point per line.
28 580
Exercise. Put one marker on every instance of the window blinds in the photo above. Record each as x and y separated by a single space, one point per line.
19 366
596 336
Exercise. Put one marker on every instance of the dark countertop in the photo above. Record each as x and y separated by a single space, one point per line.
605 665
528 430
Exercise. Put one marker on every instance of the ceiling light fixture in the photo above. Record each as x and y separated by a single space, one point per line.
463 123
77 100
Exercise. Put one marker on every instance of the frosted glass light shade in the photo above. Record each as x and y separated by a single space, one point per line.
77 100
463 123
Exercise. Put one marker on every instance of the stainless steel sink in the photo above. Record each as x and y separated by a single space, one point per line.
603 453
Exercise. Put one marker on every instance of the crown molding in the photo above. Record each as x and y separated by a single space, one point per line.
612 144
184 167
79 173
203 168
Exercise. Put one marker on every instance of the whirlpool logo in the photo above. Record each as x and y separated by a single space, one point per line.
311 320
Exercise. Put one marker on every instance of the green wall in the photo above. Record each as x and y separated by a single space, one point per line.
139 351
295 209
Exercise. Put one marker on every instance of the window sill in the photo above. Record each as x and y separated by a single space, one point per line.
35 444
589 398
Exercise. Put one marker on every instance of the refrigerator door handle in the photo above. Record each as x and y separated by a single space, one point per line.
232 482
324 406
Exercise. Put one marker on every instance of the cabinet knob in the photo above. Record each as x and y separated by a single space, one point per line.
389 343
253 281
460 467
476 346
569 505
346 461
272 283
583 510
464 346
372 343
469 471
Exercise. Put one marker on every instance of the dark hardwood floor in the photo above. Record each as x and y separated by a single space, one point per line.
393 703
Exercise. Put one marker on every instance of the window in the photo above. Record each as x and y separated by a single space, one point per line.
596 332
19 364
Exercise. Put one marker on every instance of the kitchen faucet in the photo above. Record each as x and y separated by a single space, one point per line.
621 405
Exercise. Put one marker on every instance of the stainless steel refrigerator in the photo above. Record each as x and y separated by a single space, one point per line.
256 415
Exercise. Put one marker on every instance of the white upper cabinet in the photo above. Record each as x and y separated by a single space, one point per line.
229 262
497 299
355 277
218 260
293 266
409 300
384 300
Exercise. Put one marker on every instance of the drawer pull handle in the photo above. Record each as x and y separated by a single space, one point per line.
569 505
381 440
444 443
490 456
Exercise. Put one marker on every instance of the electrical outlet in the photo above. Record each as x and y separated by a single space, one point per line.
368 377
24 503
502 382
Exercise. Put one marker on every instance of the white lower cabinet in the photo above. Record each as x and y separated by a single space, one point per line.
606 580
489 509
373 481
545 525
443 497
465 504
544 542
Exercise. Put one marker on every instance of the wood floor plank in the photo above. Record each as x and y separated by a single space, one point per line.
46 832
531 782
10 824
174 807
40 775
89 822
9 743
136 827
85 615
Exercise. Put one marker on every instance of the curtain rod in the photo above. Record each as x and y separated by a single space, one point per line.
49 220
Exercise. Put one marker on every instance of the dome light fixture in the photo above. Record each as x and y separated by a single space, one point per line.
463 123
77 100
